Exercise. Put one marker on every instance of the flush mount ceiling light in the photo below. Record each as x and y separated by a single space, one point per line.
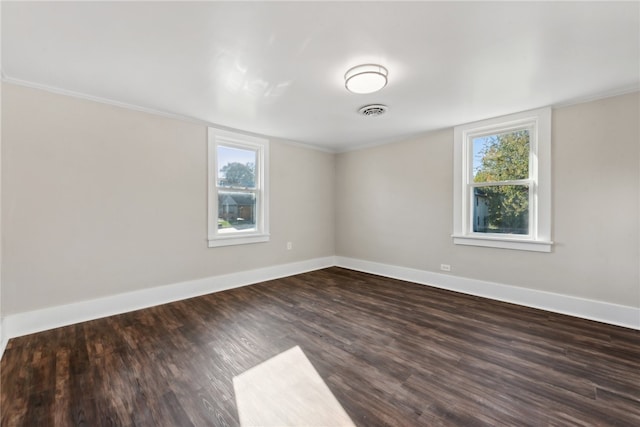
367 78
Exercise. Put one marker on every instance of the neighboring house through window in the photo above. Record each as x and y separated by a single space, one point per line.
238 189
502 182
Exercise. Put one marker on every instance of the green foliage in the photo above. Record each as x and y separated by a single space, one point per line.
223 223
238 175
505 157
508 207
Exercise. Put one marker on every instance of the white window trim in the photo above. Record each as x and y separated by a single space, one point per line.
261 233
539 239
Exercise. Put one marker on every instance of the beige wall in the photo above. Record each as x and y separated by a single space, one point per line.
1 233
99 200
394 206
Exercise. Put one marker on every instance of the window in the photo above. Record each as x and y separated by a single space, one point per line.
238 196
502 182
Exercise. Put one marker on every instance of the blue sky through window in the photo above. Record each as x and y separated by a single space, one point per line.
228 155
479 145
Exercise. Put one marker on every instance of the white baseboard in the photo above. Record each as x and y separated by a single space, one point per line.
619 315
16 325
3 340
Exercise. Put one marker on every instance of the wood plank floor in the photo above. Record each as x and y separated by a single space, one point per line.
391 352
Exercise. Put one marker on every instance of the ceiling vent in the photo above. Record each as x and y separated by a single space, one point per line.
373 110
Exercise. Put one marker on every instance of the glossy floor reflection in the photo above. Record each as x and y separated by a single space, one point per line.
286 390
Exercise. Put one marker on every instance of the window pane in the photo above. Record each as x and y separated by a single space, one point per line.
236 211
501 209
501 157
236 167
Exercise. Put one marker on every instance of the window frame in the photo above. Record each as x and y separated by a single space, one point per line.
219 137
538 122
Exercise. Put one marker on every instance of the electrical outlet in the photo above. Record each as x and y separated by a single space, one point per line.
445 267
289 246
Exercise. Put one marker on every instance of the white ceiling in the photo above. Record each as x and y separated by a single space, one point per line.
277 69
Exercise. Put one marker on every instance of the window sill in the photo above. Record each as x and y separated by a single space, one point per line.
504 243
237 240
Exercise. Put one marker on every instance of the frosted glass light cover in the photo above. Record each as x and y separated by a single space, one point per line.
367 78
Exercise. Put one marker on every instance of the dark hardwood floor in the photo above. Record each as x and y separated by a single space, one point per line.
392 353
